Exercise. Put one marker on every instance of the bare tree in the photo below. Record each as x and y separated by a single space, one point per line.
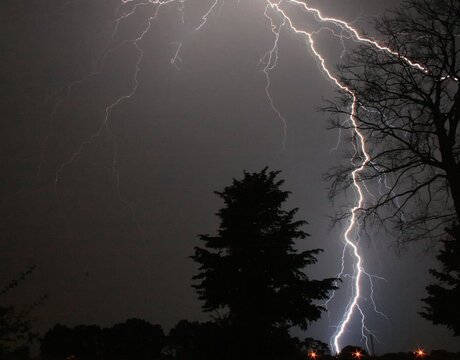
408 111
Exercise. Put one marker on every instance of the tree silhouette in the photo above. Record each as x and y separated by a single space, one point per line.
444 297
409 116
251 271
316 346
57 343
134 339
351 352
197 341
84 342
15 325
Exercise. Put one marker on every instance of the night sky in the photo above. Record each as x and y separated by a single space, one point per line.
111 229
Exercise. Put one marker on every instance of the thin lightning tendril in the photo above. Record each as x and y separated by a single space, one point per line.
271 64
278 19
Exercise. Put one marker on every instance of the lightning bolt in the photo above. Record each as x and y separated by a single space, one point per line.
350 240
276 12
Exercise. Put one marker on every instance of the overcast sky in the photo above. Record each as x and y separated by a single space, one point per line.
111 247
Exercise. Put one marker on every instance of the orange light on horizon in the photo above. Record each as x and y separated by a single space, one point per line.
357 354
312 355
420 353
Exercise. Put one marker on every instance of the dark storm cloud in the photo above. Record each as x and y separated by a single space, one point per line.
184 134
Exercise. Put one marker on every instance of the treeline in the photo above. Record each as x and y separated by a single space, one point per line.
137 339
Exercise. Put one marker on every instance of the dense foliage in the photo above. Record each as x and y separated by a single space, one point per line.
444 296
251 271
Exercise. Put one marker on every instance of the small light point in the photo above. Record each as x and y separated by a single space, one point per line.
420 353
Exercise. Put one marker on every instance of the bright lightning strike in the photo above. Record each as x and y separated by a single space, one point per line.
350 242
275 11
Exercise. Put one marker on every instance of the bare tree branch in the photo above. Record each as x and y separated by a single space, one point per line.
410 119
